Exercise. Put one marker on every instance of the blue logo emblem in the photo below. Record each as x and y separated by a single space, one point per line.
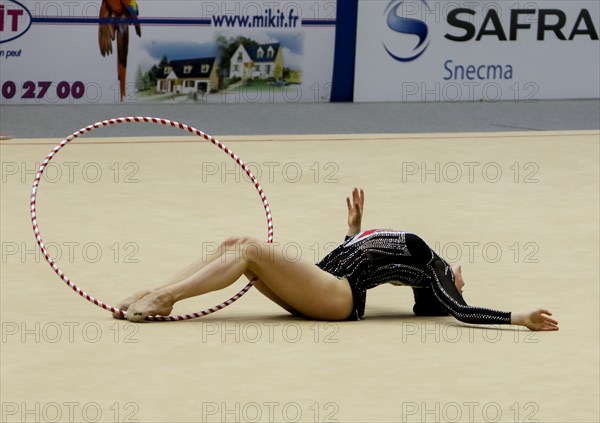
407 26
15 20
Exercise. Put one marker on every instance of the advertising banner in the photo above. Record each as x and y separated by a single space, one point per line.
176 51
429 50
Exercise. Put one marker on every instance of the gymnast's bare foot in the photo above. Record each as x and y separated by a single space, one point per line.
124 305
159 302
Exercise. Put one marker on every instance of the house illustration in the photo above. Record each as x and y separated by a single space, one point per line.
261 61
189 76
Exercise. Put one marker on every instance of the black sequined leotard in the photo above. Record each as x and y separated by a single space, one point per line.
379 256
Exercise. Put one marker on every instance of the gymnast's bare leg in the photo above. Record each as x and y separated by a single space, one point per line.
227 245
301 285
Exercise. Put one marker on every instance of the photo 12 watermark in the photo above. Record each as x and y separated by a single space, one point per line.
270 411
462 87
472 172
269 332
92 252
68 332
292 251
317 92
291 172
70 411
88 172
526 252
428 332
469 411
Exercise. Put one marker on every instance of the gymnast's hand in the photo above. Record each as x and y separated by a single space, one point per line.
535 320
355 211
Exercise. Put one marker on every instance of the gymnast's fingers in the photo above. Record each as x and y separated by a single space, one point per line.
545 315
356 198
550 320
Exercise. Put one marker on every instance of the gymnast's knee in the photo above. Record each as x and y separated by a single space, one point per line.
233 241
248 246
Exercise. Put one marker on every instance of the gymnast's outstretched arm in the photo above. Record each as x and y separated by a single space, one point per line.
448 295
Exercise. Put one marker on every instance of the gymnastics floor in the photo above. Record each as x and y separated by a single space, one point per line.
519 210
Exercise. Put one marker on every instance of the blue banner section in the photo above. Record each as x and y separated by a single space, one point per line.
342 88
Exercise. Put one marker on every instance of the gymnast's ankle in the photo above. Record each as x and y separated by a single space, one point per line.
163 298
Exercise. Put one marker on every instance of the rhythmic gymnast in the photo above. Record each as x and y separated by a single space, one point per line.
335 288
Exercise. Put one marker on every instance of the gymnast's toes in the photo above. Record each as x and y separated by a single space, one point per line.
151 305
138 311
124 305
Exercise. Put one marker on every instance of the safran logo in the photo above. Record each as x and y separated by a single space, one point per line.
401 48
15 20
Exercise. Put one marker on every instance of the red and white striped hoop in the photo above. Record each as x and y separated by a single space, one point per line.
158 121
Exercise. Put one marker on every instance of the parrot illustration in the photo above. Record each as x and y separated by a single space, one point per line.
126 9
